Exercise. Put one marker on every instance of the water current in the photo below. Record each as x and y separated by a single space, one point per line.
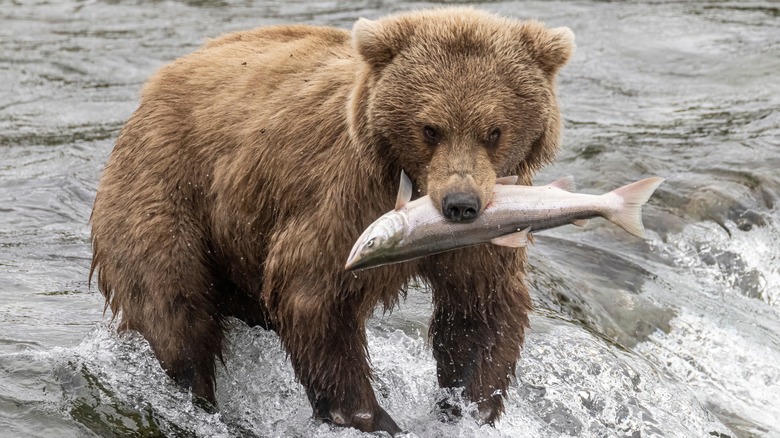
676 336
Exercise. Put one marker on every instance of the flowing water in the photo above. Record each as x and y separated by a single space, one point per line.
678 336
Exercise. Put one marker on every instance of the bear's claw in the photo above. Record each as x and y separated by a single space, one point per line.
365 421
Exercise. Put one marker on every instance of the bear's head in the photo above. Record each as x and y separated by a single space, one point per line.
458 97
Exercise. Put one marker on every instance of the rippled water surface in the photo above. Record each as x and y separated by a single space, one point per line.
678 336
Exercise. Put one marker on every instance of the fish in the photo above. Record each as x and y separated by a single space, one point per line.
417 228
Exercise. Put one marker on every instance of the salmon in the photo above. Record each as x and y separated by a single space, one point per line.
418 229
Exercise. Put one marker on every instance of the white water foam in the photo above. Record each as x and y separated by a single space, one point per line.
731 260
724 343
570 382
728 369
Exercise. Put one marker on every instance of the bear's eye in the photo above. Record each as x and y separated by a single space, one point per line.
431 135
493 137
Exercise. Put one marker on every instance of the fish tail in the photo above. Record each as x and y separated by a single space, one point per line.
629 215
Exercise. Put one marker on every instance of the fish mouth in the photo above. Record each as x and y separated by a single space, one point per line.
360 259
354 259
357 261
354 264
360 262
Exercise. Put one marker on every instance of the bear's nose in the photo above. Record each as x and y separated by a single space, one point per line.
460 207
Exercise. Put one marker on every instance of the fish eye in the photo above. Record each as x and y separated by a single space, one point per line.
370 243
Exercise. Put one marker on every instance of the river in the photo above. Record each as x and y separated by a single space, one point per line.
675 336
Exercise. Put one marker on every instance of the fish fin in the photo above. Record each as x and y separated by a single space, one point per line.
531 239
634 195
565 183
507 180
514 240
404 191
580 222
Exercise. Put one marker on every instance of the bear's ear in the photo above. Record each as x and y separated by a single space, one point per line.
374 42
551 48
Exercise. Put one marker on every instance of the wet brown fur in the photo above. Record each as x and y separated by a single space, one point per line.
239 185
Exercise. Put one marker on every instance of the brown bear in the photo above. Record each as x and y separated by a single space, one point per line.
251 166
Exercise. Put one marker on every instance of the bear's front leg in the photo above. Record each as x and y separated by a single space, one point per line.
481 307
327 345
322 327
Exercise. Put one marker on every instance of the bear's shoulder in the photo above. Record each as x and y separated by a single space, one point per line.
281 34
